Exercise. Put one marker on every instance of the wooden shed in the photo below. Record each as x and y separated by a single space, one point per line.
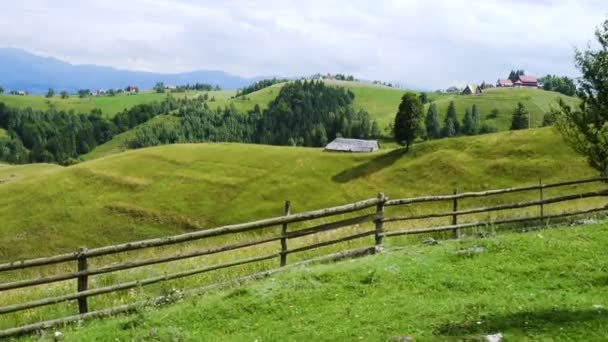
352 145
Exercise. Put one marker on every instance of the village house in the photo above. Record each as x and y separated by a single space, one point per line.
352 145
131 89
522 81
504 83
471 89
526 81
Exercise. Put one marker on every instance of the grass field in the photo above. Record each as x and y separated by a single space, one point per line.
381 102
150 192
547 285
109 105
536 101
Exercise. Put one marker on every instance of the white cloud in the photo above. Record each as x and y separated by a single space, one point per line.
422 43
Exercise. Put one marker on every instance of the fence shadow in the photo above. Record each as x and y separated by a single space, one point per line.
370 167
525 320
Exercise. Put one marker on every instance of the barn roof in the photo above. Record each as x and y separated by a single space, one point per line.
528 79
505 83
352 145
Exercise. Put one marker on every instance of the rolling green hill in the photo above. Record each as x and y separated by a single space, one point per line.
536 101
169 189
109 105
542 286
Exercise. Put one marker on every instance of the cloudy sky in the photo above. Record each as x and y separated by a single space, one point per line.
426 44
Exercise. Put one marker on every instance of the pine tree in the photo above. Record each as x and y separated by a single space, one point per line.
475 116
449 129
467 125
407 120
520 117
455 125
431 123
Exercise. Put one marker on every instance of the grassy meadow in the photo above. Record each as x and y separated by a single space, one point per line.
144 193
48 209
109 105
547 285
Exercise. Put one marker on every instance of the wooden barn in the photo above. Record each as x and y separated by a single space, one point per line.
472 89
352 145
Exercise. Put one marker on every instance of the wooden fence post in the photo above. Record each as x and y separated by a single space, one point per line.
284 235
542 206
83 280
455 233
379 234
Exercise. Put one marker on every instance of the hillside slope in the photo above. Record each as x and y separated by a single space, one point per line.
542 286
169 189
109 105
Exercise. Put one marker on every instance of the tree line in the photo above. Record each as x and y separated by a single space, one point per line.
259 85
410 123
53 136
305 113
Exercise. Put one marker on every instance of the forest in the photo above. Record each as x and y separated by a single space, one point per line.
303 114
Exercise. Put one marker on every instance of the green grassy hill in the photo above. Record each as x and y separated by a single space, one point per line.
380 101
536 101
544 286
109 105
169 189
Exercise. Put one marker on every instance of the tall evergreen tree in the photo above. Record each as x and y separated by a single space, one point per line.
407 120
475 117
453 118
520 119
467 123
431 123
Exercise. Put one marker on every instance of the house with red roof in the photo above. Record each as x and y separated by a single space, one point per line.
526 81
504 83
522 81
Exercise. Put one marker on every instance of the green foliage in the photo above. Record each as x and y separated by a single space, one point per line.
424 98
303 110
64 94
259 85
549 118
493 114
586 128
520 118
487 128
407 120
470 125
563 85
50 93
451 125
1 90
514 75
82 93
159 87
431 123
61 137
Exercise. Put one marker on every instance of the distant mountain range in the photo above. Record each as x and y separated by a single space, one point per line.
21 70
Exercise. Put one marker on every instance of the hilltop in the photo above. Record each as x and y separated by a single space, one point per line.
170 189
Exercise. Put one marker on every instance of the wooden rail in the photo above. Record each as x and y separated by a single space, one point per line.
357 214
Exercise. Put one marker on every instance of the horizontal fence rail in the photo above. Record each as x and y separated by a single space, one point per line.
359 219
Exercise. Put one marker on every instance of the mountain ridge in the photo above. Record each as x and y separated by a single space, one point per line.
24 71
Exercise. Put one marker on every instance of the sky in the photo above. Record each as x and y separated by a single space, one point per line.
428 44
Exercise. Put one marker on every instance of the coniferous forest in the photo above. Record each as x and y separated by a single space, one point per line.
305 113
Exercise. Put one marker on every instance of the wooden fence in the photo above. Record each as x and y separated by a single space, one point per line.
361 211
